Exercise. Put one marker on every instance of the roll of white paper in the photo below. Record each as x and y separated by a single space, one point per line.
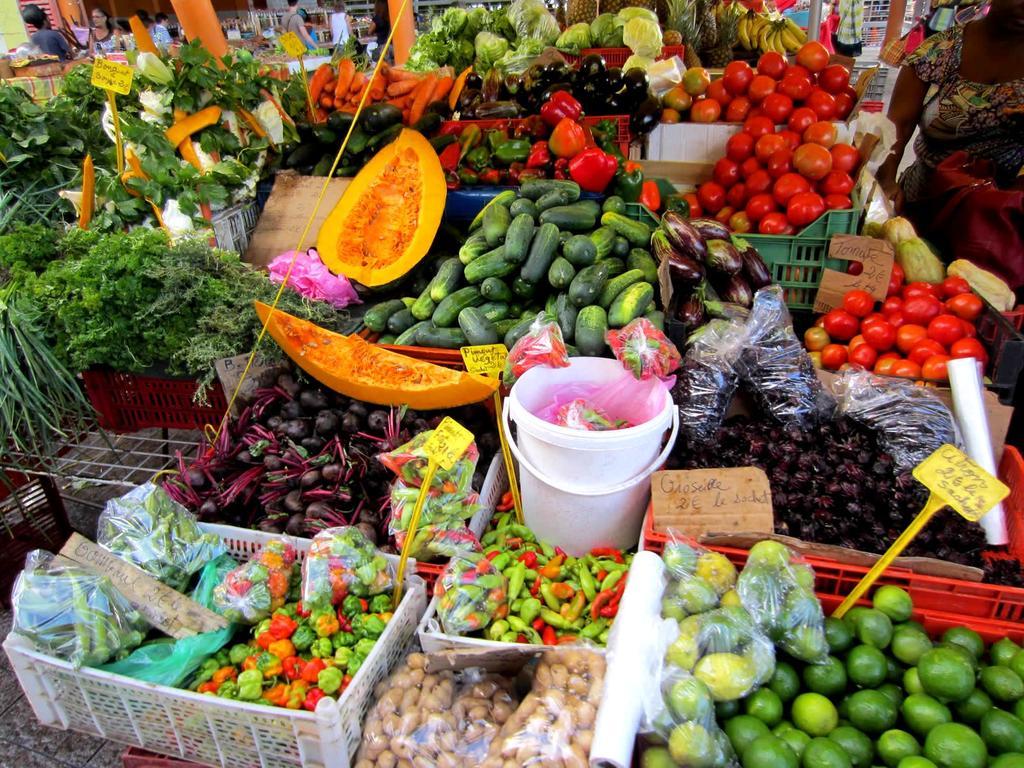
969 407
632 664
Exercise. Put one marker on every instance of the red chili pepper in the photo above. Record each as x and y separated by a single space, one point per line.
364 603
562 552
490 176
609 611
536 587
301 610
560 106
293 666
568 139
561 169
619 589
520 638
538 624
566 639
539 156
208 687
313 697
311 669
604 551
593 169
529 558
601 575
492 554
602 599
650 195
264 639
344 625
548 636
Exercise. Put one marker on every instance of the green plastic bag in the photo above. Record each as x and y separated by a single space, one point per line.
171 662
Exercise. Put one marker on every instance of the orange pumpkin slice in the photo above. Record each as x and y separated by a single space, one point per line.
353 367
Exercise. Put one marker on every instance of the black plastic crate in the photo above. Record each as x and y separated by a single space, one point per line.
32 516
1005 346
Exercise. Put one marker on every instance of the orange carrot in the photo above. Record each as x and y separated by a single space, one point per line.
327 101
399 103
358 81
402 87
444 85
88 192
419 103
318 82
346 71
378 87
401 74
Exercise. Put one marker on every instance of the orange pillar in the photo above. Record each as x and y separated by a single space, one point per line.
199 21
405 29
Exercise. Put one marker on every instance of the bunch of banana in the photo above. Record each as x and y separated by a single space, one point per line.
770 32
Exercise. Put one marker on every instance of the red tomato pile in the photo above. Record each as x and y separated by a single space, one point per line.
913 334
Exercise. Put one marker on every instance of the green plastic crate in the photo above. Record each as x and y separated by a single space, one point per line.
796 261
640 212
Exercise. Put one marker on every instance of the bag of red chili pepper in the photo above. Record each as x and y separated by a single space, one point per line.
542 345
643 350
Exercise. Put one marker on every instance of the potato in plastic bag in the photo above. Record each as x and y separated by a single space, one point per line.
342 561
254 590
471 593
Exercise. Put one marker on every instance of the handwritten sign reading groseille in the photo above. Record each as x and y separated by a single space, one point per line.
877 259
169 611
112 76
960 482
485 359
447 443
698 501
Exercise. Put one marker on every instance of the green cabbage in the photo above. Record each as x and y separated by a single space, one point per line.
642 36
153 69
518 60
574 38
532 20
638 62
450 23
606 31
477 19
634 12
489 48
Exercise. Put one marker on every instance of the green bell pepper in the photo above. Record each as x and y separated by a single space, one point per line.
303 637
250 685
329 680
512 151
380 604
629 184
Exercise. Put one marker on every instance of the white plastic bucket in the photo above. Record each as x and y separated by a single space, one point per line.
583 489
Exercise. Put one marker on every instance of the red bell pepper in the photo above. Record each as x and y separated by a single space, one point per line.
568 139
593 169
539 155
293 667
559 106
313 696
450 157
561 168
650 196
548 636
282 626
490 176
312 669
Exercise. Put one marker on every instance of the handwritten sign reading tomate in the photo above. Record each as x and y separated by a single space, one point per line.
447 443
960 482
485 359
699 501
112 76
876 258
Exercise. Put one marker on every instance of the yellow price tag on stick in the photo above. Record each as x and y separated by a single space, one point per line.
292 45
954 481
112 76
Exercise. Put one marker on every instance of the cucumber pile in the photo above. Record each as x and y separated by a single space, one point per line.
541 249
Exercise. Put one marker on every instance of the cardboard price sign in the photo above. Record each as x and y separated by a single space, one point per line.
877 256
447 443
699 501
292 45
485 359
961 483
112 76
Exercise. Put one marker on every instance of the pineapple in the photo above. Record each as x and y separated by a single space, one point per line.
580 11
614 6
708 24
728 29
682 17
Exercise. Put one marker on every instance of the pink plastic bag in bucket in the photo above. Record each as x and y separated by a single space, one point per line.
623 401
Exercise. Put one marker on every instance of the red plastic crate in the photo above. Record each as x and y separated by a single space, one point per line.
128 402
616 57
623 137
32 517
133 757
872 106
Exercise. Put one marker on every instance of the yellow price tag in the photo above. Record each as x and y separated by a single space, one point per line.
485 359
448 442
960 482
292 45
112 76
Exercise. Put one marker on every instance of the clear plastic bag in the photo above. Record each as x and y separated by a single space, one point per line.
73 613
471 593
910 422
409 462
541 345
624 401
699 579
340 562
707 380
643 350
580 414
148 528
254 590
555 723
777 589
687 724
777 368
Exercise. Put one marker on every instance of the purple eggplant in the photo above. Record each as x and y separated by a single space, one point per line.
755 270
683 269
710 229
686 240
737 291
690 311
723 257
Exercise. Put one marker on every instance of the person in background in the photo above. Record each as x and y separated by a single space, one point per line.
47 40
848 38
380 26
341 25
103 37
292 22
159 32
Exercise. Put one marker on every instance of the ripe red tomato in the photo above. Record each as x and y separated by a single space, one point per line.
750 166
799 70
966 306
737 77
886 362
945 329
921 289
864 355
711 196
854 267
837 202
934 368
737 109
820 132
823 104
768 145
925 349
840 324
737 195
739 147
812 160
724 215
773 223
755 111
792 138
797 87
896 319
813 55
970 331
759 206
788 185
705 111
892 304
908 335
758 126
858 303
844 105
739 221
717 91
780 163
760 87
695 209
726 172
921 309
758 183
778 107
804 208
872 317
772 64
836 183
834 78
905 369
895 280
801 119
844 157
856 341
880 336
833 356
969 348
954 286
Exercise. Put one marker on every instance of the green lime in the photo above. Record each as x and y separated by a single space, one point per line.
782 727
828 679
922 713
965 638
952 745
908 645
912 681
893 602
874 628
690 744
857 746
814 714
916 761
1009 760
1017 663
726 709
765 705
785 682
1003 651
1002 683
795 740
872 711
657 757
893 691
727 675
894 745
866 666
893 671
689 699
974 706
945 674
742 730
839 634
1002 732
824 753
965 654
768 752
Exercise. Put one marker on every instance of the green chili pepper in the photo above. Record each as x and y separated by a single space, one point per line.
533 636
610 565
489 538
587 582
594 628
530 575
515 580
501 561
556 620
228 690
497 629
611 580
516 623
508 637
603 638
552 602
529 610
547 549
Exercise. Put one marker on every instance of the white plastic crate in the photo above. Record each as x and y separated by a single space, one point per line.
233 227
206 729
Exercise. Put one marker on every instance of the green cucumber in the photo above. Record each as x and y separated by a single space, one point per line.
621 247
376 317
401 321
506 197
615 204
550 200
408 337
534 189
387 338
447 312
575 217
495 289
446 338
476 326
638 233
518 237
561 273
496 223
617 285
630 304
591 327
474 247
523 205
604 240
615 266
495 310
491 264
506 325
640 259
523 288
424 306
542 252
580 251
657 318
565 313
587 285
517 331
447 278
409 300
592 206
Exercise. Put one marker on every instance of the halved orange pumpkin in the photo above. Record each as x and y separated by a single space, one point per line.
350 365
386 220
